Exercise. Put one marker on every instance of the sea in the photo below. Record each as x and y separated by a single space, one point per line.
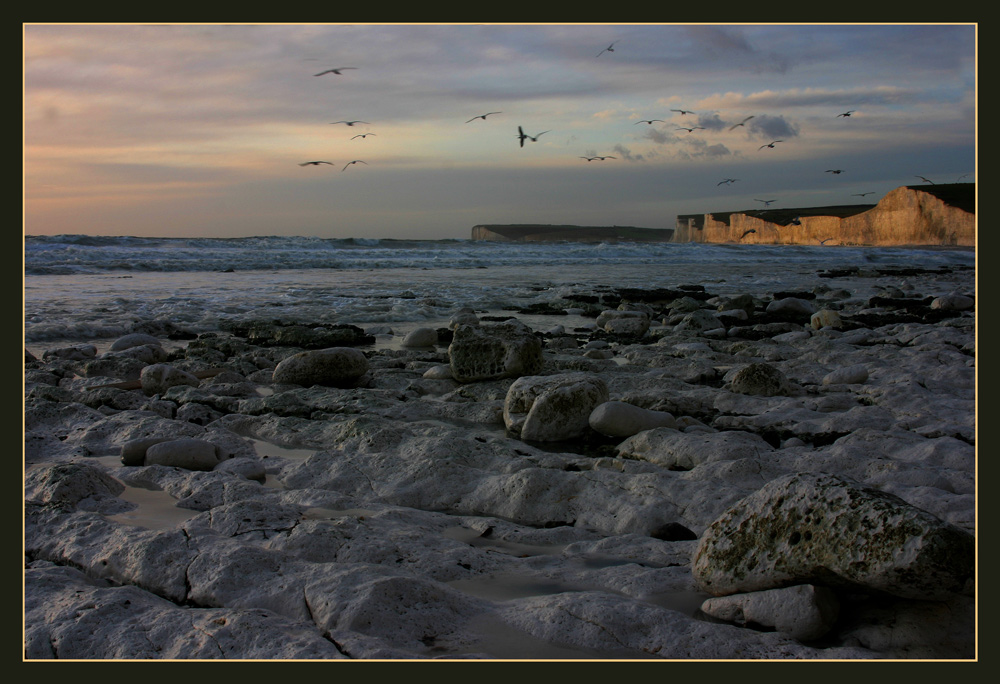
94 289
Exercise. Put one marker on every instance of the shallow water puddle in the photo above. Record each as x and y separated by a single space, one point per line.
484 540
156 509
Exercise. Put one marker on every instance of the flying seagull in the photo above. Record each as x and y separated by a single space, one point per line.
797 221
315 163
610 48
649 121
740 123
682 112
483 116
361 135
522 135
862 194
848 113
727 181
770 144
690 130
824 241
353 162
747 232
767 203
834 171
349 123
334 71
926 180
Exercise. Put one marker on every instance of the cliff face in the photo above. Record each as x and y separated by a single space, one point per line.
906 216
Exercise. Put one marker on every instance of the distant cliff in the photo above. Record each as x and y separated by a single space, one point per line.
539 232
908 215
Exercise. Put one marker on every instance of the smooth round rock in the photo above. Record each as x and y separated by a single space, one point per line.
187 453
332 367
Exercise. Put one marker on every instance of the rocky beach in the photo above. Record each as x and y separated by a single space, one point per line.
652 473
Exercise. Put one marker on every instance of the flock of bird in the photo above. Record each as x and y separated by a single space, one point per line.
522 136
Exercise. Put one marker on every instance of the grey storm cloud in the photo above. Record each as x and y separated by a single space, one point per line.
626 153
765 126
731 45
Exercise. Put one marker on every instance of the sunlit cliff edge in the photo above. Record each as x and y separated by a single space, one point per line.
939 215
909 215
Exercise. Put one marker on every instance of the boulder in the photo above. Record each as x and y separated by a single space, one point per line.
159 377
552 408
953 303
332 367
759 379
421 337
490 352
805 528
825 318
133 340
188 453
621 419
632 323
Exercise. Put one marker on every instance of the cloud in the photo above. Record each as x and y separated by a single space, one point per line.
627 155
731 45
772 127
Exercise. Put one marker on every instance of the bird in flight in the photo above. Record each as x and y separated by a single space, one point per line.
482 116
522 135
356 161
334 71
741 123
747 232
610 48
834 171
862 194
797 221
848 113
349 123
727 181
682 111
649 121
927 180
824 241
361 135
315 163
770 144
593 158
767 203
690 130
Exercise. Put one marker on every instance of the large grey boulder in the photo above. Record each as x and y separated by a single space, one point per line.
491 352
331 367
159 377
552 408
621 419
807 528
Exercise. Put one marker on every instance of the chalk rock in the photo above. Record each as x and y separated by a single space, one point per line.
133 340
804 612
464 316
421 337
743 302
760 379
134 451
851 375
698 321
159 377
490 352
331 367
439 372
825 318
677 450
953 303
623 322
552 408
621 419
78 352
187 453
792 306
805 528
70 483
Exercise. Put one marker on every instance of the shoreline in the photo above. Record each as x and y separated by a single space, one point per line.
388 519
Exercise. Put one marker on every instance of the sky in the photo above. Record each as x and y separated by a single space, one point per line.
201 130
